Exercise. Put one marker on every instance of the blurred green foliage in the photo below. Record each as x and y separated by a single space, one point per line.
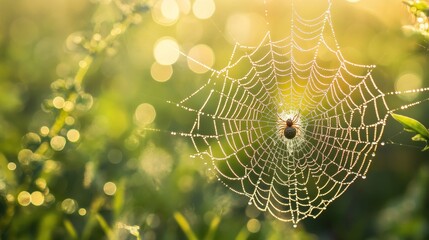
414 126
117 181
419 9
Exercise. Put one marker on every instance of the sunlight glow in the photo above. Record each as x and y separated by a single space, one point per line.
24 198
37 198
69 120
58 143
166 12
245 28
166 51
82 211
109 188
253 225
408 81
44 131
68 106
41 183
204 55
189 31
69 205
11 166
145 114
203 9
184 6
25 156
170 10
58 102
73 135
161 73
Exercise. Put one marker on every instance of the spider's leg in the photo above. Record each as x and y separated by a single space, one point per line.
296 117
281 131
298 129
280 118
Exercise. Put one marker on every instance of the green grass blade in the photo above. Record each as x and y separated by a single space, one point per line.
214 224
119 199
184 225
243 234
104 225
70 229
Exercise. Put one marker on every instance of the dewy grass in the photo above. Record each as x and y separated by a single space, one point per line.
68 98
96 47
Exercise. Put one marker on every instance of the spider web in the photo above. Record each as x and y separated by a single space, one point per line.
240 112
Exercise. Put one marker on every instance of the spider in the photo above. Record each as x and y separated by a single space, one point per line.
289 127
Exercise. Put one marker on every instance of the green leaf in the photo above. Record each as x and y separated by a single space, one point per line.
243 234
408 3
419 5
214 224
419 138
47 226
104 225
70 229
412 125
422 6
119 200
184 225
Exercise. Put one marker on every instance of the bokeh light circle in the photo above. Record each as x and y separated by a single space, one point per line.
24 198
245 28
203 9
11 166
145 114
109 188
161 73
58 143
37 198
58 102
69 206
253 225
82 211
166 51
200 58
408 81
44 131
170 10
73 135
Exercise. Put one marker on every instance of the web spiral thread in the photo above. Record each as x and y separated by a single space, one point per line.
239 112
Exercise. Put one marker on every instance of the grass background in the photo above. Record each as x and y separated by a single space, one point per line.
156 181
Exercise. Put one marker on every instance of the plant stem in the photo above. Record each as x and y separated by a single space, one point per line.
84 65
